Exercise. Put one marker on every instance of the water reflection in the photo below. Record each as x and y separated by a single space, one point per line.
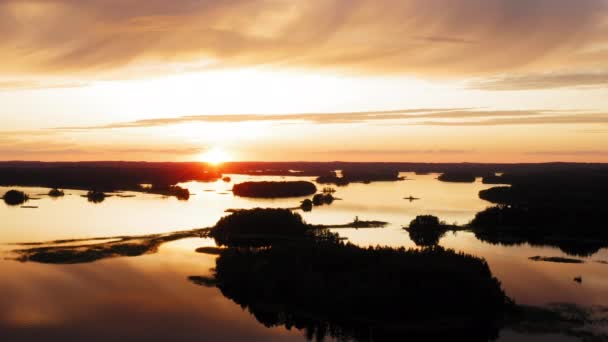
80 302
142 299
358 294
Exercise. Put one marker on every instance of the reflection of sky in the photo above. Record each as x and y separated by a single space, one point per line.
153 294
147 298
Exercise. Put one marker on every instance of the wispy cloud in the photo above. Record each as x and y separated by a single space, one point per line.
568 119
34 84
428 117
366 35
396 152
583 153
543 81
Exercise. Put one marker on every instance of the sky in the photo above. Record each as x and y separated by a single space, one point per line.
304 80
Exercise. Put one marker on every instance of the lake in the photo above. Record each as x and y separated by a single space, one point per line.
150 298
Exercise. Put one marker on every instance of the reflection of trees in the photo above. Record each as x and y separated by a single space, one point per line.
343 291
354 175
287 273
56 193
511 225
94 196
563 208
427 230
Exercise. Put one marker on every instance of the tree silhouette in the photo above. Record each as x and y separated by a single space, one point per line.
15 197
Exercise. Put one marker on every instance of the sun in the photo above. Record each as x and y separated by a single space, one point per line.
215 156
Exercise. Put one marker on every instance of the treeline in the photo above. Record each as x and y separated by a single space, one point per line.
564 209
359 176
274 189
286 275
103 176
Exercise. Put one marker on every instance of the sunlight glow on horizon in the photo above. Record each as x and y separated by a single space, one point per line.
215 156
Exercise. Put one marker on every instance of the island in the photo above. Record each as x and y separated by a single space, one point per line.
15 197
274 189
427 230
562 209
457 177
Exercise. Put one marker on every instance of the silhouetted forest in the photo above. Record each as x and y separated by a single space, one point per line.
318 283
540 226
56 193
359 176
102 176
182 194
263 227
95 196
15 197
457 177
427 230
274 189
563 209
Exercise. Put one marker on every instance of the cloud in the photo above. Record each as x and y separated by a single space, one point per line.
581 153
424 37
568 119
32 85
34 145
327 118
543 81
396 152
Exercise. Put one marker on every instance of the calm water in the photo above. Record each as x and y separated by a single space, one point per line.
150 298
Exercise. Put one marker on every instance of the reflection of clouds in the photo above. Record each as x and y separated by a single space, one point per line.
147 298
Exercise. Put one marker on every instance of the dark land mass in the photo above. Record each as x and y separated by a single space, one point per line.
457 177
334 289
94 196
317 201
557 260
111 176
121 246
105 176
316 169
209 250
328 288
540 227
354 175
564 208
288 273
274 189
263 227
15 197
56 193
427 230
356 224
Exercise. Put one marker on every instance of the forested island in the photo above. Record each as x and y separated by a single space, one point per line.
457 177
313 280
274 189
15 197
563 209
359 176
103 176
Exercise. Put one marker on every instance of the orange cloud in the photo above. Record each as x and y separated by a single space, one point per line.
424 37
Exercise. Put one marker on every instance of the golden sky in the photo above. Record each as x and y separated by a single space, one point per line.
357 80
